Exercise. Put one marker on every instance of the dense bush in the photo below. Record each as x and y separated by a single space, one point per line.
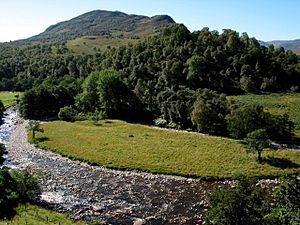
287 211
15 187
245 204
67 113
244 120
242 205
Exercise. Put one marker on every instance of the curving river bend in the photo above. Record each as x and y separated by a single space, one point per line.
117 197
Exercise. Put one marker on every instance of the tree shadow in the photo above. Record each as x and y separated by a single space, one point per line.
279 162
41 139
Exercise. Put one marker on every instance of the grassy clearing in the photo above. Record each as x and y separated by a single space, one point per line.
35 215
275 103
8 98
117 144
90 45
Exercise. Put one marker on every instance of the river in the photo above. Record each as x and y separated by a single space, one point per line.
7 126
96 193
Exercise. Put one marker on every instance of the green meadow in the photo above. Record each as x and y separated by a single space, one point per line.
34 215
121 145
8 98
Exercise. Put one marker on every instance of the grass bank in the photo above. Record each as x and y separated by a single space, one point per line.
117 144
34 215
8 98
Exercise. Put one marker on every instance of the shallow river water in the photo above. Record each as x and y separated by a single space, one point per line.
117 197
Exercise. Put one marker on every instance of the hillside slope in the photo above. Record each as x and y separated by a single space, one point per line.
293 45
106 24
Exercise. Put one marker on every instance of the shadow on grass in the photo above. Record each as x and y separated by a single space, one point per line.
41 139
281 163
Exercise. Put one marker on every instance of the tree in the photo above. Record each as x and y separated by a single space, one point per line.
8 196
16 187
257 141
243 205
34 126
209 111
244 120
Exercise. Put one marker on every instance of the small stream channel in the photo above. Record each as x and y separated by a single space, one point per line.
7 126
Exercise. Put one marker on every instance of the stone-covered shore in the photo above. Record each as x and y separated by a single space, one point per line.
117 197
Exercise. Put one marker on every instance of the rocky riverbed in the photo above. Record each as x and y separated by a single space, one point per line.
117 197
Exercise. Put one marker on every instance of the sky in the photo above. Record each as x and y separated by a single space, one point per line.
264 19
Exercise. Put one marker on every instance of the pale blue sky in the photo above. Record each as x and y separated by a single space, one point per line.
264 19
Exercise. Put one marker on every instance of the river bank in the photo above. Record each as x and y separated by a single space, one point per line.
117 197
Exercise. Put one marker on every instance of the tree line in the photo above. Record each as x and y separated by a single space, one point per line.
177 77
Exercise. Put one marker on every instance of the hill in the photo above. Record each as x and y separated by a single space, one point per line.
106 24
293 45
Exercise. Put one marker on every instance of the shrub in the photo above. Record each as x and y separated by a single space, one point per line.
243 205
67 113
288 202
16 187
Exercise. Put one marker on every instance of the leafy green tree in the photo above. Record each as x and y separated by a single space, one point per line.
34 126
280 128
242 205
26 185
8 196
88 100
256 142
209 112
16 187
244 120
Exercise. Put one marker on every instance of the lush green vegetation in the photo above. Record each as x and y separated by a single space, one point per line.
247 204
117 144
274 103
15 187
9 98
91 45
164 76
34 215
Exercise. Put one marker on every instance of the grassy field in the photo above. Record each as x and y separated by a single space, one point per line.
35 215
8 98
117 144
275 103
90 45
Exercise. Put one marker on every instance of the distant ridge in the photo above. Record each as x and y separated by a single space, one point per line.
104 23
293 45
